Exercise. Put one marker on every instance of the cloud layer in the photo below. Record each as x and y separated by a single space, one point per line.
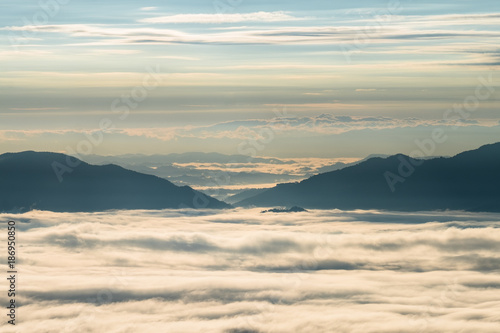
242 271
286 136
222 18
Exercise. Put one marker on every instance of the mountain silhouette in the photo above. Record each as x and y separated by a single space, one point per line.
468 181
57 182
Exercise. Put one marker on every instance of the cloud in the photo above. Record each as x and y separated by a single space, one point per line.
35 109
322 124
348 38
242 271
427 21
322 130
114 52
222 18
30 53
245 129
177 58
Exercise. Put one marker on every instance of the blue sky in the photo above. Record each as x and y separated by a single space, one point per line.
63 64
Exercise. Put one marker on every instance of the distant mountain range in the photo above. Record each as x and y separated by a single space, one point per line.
50 181
190 157
468 181
57 182
204 170
245 194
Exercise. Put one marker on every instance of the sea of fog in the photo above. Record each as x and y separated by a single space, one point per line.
240 271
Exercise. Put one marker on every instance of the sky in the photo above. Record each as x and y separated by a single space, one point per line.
270 78
241 271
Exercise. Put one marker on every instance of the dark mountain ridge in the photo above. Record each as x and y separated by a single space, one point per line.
29 181
468 181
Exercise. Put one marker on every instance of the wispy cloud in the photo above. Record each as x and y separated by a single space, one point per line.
177 58
323 124
223 18
34 109
319 35
114 52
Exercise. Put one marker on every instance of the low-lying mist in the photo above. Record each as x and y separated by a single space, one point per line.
242 271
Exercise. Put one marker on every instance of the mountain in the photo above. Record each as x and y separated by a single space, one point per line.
341 165
57 182
468 181
208 170
245 194
190 157
294 209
